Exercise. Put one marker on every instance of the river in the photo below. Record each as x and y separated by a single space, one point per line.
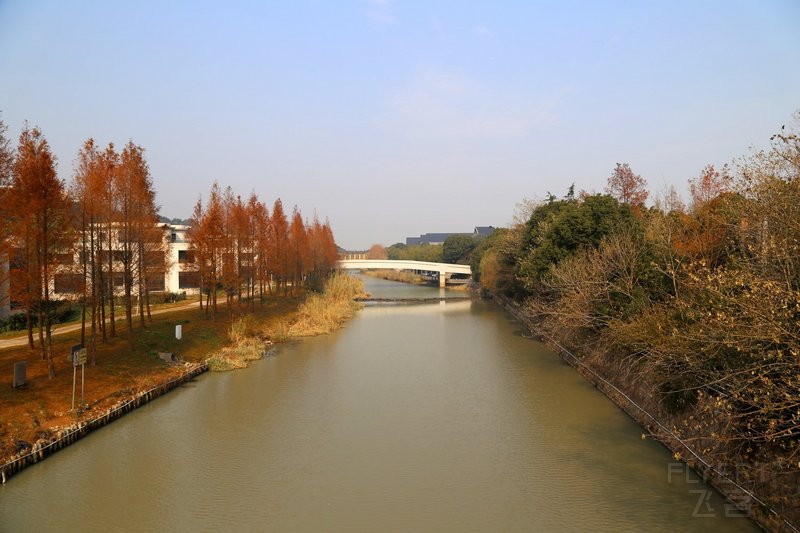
430 417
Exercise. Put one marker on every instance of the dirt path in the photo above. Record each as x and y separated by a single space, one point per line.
23 340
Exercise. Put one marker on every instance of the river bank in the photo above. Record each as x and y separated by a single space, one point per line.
658 424
402 276
37 419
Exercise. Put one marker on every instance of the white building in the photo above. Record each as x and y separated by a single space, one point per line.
181 274
171 268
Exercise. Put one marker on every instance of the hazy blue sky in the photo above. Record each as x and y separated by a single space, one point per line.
394 117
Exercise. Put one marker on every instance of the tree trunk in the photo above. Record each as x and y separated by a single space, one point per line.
93 273
42 346
101 288
51 365
83 264
102 306
214 302
44 258
29 320
141 304
128 304
93 334
147 305
83 321
112 321
142 285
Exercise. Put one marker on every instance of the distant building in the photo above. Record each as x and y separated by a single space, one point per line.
431 238
348 254
439 238
482 231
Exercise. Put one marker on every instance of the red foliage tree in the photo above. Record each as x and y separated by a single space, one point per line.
278 252
299 252
626 186
708 185
42 221
6 168
207 238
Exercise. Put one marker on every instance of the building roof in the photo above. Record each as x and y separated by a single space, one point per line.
438 238
432 238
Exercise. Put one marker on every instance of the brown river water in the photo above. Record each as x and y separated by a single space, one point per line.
430 417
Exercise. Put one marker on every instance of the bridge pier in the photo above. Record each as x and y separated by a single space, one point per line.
442 280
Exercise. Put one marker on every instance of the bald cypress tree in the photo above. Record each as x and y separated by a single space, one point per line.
41 213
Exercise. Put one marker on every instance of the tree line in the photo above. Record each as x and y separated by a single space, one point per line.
243 250
692 309
99 239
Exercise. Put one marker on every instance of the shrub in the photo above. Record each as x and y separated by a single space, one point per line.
167 297
60 311
243 328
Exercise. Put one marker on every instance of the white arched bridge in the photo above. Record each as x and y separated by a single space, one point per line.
445 270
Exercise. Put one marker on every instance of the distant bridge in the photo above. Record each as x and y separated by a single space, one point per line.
445 270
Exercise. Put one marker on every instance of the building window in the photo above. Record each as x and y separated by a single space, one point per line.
154 259
65 259
68 283
188 280
185 256
156 283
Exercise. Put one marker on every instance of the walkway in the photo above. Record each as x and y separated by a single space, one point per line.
23 340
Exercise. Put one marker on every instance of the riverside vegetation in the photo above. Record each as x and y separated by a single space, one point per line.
693 311
320 314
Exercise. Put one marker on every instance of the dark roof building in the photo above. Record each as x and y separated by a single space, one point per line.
483 231
431 238
439 238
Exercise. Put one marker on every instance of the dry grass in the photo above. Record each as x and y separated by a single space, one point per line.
243 328
278 332
323 313
403 276
249 344
238 355
319 314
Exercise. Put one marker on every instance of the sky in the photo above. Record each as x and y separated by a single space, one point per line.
394 118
